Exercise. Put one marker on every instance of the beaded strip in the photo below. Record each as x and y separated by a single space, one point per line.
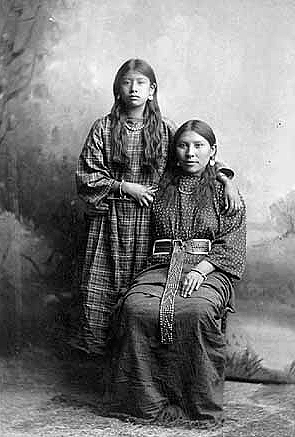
169 293
136 127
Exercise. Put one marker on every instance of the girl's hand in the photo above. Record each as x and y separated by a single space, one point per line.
231 197
192 282
142 194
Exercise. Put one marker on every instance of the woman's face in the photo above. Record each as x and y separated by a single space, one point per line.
193 152
135 89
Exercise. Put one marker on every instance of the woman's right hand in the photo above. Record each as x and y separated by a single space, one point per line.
144 195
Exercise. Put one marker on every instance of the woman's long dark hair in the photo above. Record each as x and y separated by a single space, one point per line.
152 121
170 181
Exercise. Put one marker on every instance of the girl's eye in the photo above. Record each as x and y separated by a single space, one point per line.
181 145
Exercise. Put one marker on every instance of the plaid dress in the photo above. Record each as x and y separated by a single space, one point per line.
118 229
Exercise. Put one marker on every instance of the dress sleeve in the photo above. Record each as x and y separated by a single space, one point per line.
93 177
221 167
228 251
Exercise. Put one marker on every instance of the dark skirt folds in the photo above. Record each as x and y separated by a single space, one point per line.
146 376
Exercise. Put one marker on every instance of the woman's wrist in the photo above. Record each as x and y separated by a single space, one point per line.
204 275
204 268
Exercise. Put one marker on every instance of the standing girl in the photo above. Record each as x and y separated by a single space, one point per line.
119 168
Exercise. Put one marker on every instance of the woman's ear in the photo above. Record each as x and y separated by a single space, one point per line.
153 87
213 151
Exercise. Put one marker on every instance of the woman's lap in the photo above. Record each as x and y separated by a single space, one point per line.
143 300
189 372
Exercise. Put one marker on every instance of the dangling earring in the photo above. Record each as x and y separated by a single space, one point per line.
212 161
118 97
212 158
178 163
150 97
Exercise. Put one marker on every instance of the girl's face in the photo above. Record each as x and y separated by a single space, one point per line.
193 152
135 89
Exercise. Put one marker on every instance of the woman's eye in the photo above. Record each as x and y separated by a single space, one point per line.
181 145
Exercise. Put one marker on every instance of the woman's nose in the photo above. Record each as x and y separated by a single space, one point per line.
133 86
190 151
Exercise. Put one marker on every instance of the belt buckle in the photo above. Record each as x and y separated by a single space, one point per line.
162 240
193 249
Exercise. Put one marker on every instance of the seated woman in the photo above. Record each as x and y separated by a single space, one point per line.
168 350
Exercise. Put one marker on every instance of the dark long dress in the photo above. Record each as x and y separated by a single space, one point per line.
147 375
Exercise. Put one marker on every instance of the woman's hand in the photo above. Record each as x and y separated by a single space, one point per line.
192 281
144 195
231 197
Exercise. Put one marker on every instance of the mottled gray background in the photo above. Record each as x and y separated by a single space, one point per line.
231 63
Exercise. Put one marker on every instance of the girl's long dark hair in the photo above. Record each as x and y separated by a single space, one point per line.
152 121
170 181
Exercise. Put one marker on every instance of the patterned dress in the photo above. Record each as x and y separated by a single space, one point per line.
118 229
147 375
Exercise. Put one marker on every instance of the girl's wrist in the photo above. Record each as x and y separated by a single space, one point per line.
122 189
115 187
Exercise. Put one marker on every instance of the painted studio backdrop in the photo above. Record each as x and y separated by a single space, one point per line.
230 63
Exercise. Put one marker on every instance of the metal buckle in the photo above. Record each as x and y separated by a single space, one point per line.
195 246
163 240
198 246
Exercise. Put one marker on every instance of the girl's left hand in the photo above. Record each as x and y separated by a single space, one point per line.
231 198
192 282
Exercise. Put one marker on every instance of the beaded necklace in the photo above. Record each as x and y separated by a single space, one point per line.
185 192
134 125
188 184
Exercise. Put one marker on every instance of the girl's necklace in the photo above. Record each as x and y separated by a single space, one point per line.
134 126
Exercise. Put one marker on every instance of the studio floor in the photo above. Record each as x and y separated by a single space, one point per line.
42 395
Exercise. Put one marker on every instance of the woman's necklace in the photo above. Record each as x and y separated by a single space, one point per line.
188 185
134 126
185 192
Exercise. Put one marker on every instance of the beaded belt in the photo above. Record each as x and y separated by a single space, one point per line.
178 248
